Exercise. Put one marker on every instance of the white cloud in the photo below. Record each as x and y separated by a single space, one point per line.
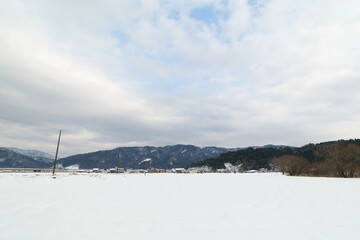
127 73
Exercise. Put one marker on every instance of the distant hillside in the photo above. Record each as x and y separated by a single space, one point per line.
162 157
35 154
250 158
255 158
11 159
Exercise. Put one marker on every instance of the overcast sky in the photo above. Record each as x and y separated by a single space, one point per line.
154 72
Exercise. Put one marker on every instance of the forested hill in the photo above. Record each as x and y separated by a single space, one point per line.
251 158
11 159
256 158
131 157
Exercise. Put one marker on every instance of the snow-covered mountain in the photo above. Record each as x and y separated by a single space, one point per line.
12 159
133 157
35 154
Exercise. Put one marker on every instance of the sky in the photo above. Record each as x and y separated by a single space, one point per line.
156 72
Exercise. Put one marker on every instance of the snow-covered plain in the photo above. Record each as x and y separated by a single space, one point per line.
178 206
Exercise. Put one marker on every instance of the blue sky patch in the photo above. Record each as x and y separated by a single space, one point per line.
252 2
120 36
208 14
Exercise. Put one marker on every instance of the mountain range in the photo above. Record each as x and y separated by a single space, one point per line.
132 157
161 157
175 156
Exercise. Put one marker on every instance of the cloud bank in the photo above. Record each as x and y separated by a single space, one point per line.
151 72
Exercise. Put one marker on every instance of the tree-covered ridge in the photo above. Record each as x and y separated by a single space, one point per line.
327 158
11 159
251 158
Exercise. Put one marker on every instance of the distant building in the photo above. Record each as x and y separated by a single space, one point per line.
193 170
178 170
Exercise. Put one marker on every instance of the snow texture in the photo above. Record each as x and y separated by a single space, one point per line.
178 206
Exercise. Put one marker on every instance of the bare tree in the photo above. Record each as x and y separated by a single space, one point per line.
292 165
343 160
322 168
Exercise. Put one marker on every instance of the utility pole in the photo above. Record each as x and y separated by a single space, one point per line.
57 150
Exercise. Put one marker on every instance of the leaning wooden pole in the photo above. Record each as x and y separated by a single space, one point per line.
57 150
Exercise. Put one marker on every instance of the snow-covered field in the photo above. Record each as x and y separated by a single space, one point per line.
178 206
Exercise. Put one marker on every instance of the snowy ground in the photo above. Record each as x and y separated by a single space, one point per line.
178 206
